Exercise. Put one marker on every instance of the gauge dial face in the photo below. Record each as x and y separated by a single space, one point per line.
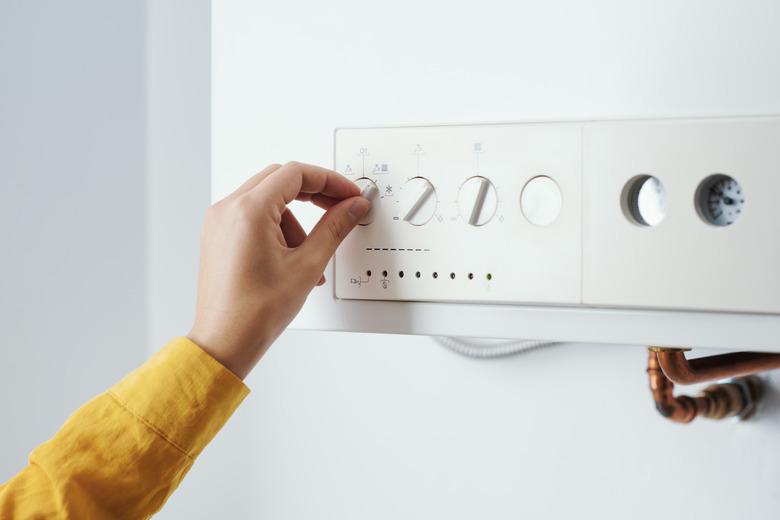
721 200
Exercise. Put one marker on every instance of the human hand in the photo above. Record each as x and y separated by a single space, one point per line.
257 266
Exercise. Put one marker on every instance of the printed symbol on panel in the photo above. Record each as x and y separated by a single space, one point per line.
377 169
389 190
440 218
418 150
359 281
384 168
348 170
385 282
477 147
501 218
363 151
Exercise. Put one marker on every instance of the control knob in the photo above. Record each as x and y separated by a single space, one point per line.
370 191
418 201
477 200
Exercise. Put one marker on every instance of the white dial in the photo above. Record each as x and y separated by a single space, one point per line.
477 200
541 201
418 201
370 191
720 200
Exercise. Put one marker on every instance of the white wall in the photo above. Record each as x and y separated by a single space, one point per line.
72 210
178 159
358 426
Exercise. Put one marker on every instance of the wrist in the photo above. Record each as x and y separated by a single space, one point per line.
237 355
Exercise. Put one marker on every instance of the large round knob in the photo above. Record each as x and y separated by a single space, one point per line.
541 201
477 200
370 191
418 201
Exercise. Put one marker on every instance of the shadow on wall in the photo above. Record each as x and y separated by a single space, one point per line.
72 210
768 414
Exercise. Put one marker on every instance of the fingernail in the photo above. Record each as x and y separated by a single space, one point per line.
359 208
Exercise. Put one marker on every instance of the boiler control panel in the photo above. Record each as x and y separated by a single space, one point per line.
663 214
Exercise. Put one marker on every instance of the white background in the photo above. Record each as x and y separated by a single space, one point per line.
98 264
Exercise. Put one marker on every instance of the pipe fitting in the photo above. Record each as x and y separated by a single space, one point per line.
736 398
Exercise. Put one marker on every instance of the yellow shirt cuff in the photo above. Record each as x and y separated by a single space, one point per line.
182 393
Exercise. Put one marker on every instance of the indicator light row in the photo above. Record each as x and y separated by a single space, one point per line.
434 274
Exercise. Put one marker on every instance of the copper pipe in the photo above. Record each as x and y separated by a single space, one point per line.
681 409
689 371
735 398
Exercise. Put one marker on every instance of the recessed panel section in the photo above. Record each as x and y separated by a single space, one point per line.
644 200
712 248
449 226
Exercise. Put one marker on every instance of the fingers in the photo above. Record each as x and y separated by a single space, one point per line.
331 230
255 180
319 200
285 184
292 230
276 186
294 234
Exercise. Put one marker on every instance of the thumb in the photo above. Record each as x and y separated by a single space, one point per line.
332 229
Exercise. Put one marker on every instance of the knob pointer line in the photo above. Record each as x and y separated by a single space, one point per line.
427 191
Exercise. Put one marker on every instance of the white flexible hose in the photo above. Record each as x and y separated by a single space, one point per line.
486 348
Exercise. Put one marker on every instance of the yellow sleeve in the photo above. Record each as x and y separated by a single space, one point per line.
122 454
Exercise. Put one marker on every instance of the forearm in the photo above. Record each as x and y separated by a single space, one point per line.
122 454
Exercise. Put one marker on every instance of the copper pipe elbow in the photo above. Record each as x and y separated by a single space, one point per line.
735 398
681 409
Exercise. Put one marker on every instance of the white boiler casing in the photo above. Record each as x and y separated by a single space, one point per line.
524 227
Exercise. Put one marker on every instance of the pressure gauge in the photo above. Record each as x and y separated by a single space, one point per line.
720 200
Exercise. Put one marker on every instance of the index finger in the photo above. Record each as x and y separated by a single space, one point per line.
285 184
